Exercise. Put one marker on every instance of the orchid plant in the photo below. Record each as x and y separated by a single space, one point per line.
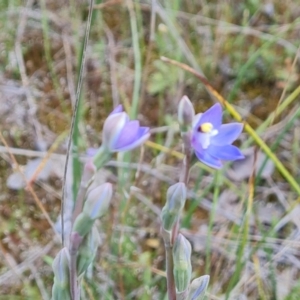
202 135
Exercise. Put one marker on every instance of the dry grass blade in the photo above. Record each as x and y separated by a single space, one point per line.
46 158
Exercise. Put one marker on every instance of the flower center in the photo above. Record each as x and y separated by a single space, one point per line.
205 132
206 128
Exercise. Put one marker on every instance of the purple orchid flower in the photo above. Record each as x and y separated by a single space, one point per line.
121 134
212 141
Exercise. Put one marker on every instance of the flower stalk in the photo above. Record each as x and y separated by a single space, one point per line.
95 206
119 134
211 141
186 115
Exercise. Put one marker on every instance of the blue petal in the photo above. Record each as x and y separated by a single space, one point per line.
227 134
142 136
200 140
196 120
207 159
227 152
118 109
112 128
128 135
213 116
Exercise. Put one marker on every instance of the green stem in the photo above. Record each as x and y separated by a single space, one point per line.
101 157
170 275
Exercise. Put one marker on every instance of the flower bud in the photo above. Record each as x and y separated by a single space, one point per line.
88 250
198 288
97 201
82 226
121 134
186 113
94 207
176 197
60 266
61 288
112 129
182 263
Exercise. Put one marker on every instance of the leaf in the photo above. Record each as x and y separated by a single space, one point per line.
198 288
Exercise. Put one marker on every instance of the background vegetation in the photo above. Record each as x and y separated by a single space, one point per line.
242 221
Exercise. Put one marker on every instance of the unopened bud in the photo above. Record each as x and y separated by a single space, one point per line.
97 202
182 263
60 266
176 197
87 250
82 225
186 113
95 206
112 129
61 288
121 134
198 288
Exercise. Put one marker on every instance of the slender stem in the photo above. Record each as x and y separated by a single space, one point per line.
75 241
86 180
175 231
170 276
101 157
171 289
170 239
73 276
187 159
